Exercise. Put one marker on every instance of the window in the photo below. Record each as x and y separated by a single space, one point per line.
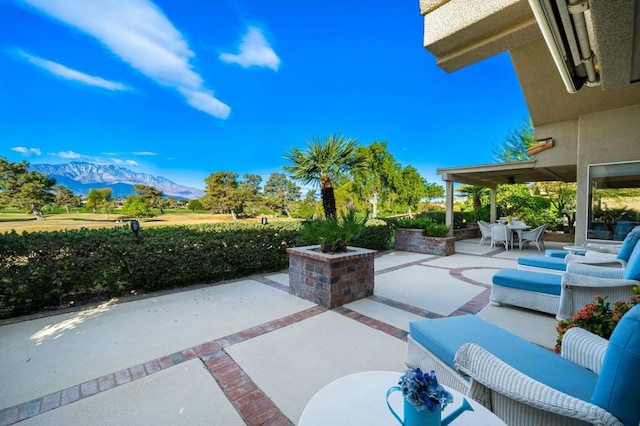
614 200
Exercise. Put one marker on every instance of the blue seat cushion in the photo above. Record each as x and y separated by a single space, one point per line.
528 280
555 263
444 336
556 253
618 387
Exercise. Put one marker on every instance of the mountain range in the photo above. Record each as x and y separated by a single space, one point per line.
80 177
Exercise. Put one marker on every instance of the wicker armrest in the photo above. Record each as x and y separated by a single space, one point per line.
596 260
584 348
594 271
485 368
578 280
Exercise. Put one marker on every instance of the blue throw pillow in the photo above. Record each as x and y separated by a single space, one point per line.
629 243
632 270
618 386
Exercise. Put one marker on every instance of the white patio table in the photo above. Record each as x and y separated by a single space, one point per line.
517 228
359 399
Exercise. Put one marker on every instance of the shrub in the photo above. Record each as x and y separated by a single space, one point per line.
597 317
48 270
431 228
377 235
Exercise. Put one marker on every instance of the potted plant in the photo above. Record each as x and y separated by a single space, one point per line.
330 272
422 235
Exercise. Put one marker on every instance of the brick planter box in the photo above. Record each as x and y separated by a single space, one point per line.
331 280
413 240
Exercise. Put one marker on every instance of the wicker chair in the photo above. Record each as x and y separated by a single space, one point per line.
533 236
565 294
500 234
592 381
521 400
562 295
485 231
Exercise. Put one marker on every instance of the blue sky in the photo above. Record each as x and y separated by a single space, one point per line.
184 89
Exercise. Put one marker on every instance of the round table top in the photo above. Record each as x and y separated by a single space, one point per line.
359 399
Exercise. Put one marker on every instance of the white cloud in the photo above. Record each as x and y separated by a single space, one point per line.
27 152
67 73
141 35
68 155
117 162
254 51
144 153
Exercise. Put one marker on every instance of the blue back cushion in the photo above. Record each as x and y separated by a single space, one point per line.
632 270
618 386
629 243
444 336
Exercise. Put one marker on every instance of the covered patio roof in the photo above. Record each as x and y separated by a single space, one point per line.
492 175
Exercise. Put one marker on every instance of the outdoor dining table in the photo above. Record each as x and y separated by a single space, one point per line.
517 228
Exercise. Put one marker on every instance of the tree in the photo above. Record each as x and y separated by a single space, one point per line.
64 197
136 205
224 194
280 192
412 189
562 196
511 198
515 146
324 161
23 189
476 194
153 197
100 199
378 178
194 205
248 192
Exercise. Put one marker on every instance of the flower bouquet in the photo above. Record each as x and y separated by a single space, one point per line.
424 400
423 391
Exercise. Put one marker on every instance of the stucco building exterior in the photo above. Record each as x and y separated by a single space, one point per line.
578 63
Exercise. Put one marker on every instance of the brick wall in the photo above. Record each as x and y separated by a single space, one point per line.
331 280
466 233
413 240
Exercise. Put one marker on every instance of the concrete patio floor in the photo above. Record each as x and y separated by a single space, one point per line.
240 352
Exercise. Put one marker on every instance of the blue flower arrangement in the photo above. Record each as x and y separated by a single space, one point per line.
423 390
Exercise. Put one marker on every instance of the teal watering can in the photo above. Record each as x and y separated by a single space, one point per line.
413 417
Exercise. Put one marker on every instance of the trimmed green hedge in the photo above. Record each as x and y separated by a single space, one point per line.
46 270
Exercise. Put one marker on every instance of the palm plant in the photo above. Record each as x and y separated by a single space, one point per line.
334 234
476 193
324 161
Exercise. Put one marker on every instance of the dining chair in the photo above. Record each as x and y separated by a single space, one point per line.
485 231
533 236
500 234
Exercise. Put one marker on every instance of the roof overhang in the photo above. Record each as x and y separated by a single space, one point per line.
591 42
492 175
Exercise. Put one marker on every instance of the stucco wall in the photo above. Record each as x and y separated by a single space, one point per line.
565 143
606 137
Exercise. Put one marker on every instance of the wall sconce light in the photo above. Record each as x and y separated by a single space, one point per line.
542 145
